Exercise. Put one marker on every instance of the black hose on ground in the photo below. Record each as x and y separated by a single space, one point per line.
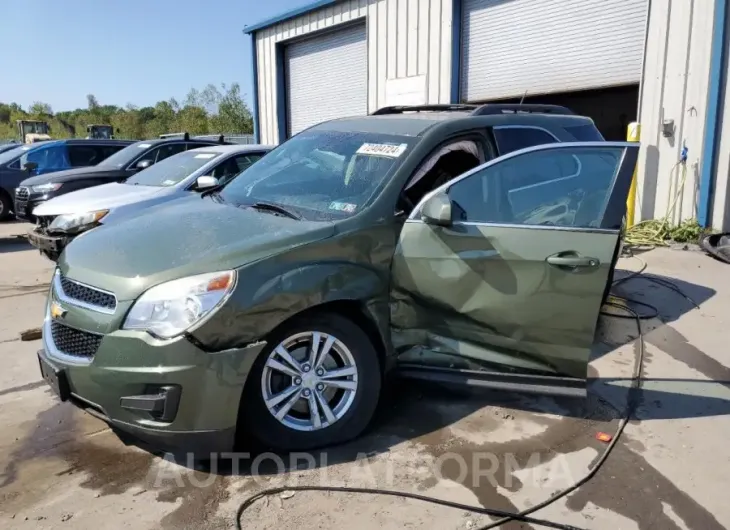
617 302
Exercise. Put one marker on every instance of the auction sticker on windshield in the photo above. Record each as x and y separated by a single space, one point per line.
387 150
346 207
205 155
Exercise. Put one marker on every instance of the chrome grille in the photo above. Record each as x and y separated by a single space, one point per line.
87 295
22 193
74 342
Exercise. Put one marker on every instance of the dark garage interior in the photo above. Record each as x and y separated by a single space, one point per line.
612 109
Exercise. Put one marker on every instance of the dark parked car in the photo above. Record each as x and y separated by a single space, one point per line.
116 168
452 244
60 220
8 146
39 159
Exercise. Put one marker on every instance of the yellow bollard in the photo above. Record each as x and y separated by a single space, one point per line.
632 135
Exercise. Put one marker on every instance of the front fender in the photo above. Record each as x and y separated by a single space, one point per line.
266 298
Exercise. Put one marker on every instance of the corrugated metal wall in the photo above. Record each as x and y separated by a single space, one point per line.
544 46
721 206
675 83
406 38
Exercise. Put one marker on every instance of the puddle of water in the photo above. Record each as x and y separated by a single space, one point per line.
108 468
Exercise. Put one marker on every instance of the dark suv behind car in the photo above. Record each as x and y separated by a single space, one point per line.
42 158
117 168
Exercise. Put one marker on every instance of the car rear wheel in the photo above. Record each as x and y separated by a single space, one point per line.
5 206
317 384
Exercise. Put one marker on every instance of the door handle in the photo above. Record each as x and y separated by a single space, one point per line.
572 261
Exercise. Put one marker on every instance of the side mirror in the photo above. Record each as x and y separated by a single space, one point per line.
437 210
30 167
143 164
205 182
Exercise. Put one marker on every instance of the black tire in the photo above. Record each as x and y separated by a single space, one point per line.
256 420
6 205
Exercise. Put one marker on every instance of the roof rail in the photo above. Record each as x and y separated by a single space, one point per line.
502 108
400 109
185 135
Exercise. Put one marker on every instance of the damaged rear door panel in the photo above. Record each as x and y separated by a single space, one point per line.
505 290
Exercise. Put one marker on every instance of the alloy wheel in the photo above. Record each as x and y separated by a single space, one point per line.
309 381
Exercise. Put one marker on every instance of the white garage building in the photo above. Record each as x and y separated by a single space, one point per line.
659 62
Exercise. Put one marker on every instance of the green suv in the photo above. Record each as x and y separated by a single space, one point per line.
456 244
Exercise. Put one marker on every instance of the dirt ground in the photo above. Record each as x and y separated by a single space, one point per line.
62 468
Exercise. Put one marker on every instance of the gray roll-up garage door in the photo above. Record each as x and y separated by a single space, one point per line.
547 46
327 78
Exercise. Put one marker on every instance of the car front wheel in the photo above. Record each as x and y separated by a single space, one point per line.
5 206
317 384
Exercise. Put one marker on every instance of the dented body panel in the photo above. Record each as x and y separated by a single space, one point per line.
485 295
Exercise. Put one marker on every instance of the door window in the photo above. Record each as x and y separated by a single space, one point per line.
244 162
108 150
48 159
442 165
84 155
514 138
165 151
233 166
558 187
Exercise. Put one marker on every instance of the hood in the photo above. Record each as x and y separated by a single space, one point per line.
68 175
104 197
186 237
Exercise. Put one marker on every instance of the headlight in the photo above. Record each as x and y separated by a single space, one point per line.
45 188
171 308
74 221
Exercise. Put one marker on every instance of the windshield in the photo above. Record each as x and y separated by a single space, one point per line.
320 174
174 169
34 127
7 156
124 157
101 132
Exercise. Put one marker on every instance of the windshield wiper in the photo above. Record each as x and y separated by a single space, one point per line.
276 208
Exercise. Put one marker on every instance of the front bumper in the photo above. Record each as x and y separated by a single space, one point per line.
50 246
169 394
23 208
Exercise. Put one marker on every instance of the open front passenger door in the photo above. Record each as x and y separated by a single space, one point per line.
499 275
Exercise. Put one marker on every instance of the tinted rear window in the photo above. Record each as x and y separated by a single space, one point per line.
519 137
585 133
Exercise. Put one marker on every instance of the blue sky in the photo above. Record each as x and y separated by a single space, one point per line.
125 51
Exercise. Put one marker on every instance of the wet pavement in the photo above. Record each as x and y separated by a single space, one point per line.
60 467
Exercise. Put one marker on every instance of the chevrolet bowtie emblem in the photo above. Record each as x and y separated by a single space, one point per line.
57 311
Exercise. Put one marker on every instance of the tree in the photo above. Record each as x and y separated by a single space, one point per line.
93 103
5 112
40 110
233 116
210 110
192 119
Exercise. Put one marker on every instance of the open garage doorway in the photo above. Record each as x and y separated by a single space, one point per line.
612 109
